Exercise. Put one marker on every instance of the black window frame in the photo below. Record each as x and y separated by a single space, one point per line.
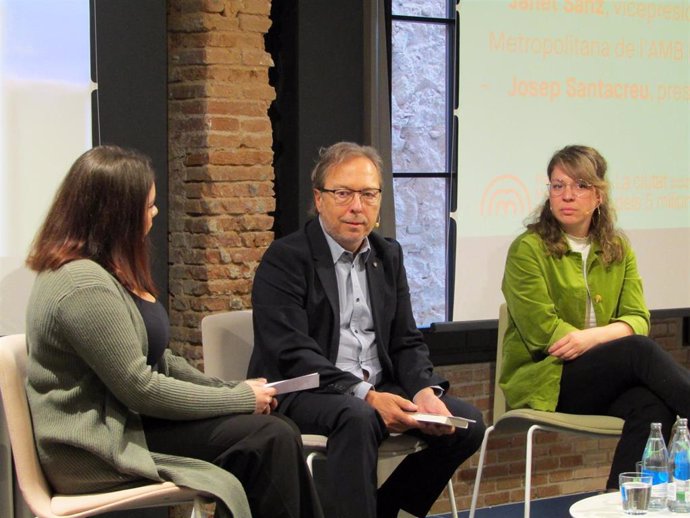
451 22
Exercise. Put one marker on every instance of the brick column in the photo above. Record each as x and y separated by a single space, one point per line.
220 159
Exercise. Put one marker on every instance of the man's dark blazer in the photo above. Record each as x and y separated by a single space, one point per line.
296 315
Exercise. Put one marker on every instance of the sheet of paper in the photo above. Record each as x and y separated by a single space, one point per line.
457 421
305 382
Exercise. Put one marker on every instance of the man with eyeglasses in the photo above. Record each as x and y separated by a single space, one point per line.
333 298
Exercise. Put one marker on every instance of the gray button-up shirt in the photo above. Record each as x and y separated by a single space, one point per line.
357 351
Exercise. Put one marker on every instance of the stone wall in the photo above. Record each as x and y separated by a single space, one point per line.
221 203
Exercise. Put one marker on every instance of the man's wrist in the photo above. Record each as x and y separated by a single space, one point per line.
370 395
428 391
438 391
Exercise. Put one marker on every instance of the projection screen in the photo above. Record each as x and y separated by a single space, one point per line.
536 75
45 114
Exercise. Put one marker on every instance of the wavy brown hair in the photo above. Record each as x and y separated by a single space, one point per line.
99 213
586 164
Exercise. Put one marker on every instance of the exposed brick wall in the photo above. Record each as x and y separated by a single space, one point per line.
221 200
220 156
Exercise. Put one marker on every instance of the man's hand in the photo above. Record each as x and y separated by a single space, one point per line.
429 403
393 410
265 400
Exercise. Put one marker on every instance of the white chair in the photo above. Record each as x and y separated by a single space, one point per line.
228 340
522 419
38 495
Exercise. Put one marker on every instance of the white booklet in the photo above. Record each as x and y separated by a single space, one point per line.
453 420
308 381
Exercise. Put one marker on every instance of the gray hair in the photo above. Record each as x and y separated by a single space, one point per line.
337 154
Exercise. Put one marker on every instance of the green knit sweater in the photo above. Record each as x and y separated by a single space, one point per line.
88 382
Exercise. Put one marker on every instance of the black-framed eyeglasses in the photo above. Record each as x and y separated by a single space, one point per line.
578 188
345 196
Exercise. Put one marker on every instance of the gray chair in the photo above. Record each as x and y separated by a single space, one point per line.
228 340
521 419
37 493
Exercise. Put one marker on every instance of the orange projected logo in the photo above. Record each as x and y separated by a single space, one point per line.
505 195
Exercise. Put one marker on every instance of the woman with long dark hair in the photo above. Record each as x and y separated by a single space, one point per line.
575 340
111 405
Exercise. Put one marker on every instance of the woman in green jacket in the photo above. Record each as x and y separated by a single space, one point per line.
111 406
576 340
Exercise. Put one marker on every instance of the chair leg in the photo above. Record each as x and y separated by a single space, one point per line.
197 511
451 497
310 461
528 468
478 477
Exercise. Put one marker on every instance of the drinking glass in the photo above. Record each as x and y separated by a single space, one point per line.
635 490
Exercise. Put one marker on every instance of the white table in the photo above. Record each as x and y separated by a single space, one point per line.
607 505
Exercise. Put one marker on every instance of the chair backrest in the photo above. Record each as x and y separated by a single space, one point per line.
32 482
227 341
500 406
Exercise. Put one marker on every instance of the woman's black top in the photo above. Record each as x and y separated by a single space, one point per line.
157 327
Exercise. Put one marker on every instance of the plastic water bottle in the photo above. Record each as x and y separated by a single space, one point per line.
673 433
679 461
655 463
